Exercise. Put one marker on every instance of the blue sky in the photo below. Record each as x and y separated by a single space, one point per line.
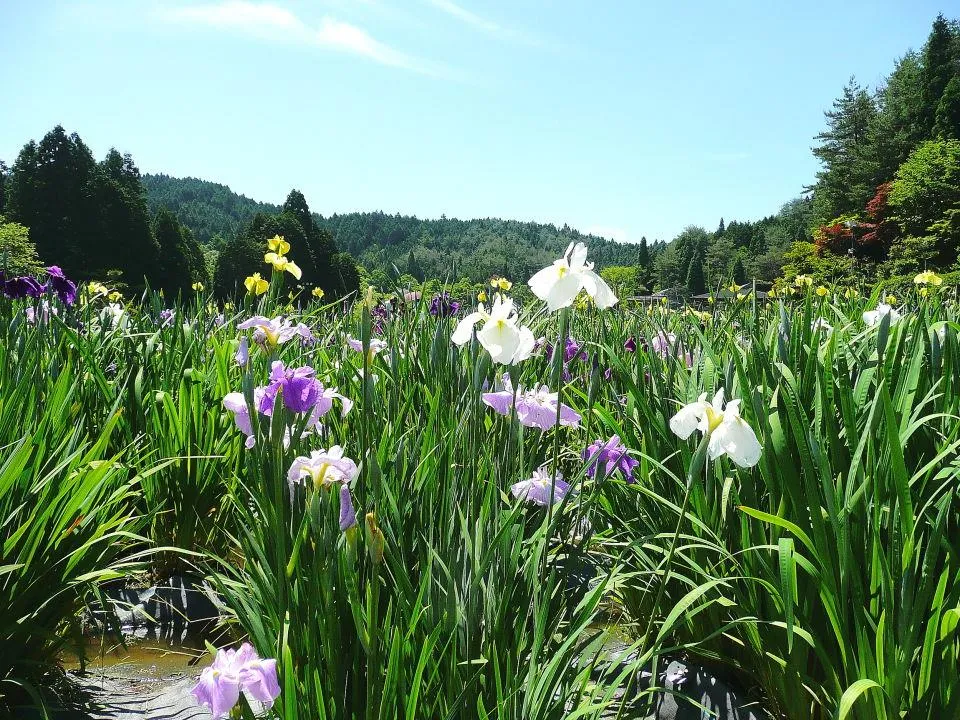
626 118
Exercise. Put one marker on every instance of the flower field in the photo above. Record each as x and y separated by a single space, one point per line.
446 508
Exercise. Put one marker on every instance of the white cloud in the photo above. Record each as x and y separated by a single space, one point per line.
605 231
488 26
468 17
275 23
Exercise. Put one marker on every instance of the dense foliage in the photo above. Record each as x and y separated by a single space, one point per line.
887 198
457 595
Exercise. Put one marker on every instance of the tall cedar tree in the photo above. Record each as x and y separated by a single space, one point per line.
845 181
939 66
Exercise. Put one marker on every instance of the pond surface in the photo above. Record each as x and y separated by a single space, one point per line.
141 663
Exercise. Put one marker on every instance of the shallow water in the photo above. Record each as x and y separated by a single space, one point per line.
140 658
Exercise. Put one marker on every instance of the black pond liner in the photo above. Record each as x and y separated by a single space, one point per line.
173 611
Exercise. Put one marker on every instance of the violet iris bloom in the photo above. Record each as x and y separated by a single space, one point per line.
572 350
535 407
612 454
443 306
298 387
232 670
166 317
65 289
236 403
630 345
537 489
21 287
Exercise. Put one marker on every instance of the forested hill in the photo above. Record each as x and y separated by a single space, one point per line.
443 248
207 208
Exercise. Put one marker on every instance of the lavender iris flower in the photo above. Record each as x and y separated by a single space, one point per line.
42 312
65 289
539 488
324 467
348 515
234 671
243 352
274 331
166 317
612 455
535 407
236 403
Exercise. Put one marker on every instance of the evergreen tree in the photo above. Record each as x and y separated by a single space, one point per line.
644 267
126 242
846 180
721 228
939 66
344 271
897 127
4 170
174 273
239 257
948 111
739 272
52 191
696 283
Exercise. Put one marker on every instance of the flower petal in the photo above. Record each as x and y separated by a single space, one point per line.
464 329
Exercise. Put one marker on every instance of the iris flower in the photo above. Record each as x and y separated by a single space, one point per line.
928 277
21 287
610 455
539 488
442 305
65 289
821 324
281 264
276 331
234 671
376 345
507 342
559 284
236 403
873 317
278 245
323 467
317 293
536 407
255 284
729 433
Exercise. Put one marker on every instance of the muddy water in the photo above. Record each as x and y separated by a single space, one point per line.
141 664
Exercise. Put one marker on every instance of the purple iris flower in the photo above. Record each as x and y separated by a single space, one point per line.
442 305
20 287
298 387
630 345
540 490
243 352
535 407
220 684
65 289
166 317
348 515
612 454
573 350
